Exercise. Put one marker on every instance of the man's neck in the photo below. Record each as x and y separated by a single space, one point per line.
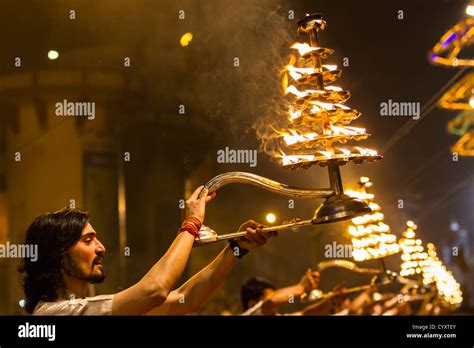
76 286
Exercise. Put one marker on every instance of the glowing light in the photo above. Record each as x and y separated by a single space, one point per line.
470 10
447 50
461 94
303 48
371 237
366 152
415 259
186 39
316 117
295 138
449 290
271 218
52 55
297 73
348 130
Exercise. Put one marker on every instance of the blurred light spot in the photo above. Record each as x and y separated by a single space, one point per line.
186 39
470 10
52 54
271 218
454 226
22 303
364 179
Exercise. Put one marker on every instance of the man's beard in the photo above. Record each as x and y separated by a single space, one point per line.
72 269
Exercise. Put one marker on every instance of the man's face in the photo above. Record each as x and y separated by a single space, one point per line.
84 259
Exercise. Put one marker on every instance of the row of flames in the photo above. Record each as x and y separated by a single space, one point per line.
339 153
372 239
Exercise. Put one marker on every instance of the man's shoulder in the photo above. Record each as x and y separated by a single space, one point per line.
97 305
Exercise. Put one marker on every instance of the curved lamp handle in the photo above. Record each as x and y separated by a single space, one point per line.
267 184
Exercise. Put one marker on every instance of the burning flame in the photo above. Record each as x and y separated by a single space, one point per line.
347 130
303 48
346 153
295 138
317 106
297 73
371 237
366 152
318 117
300 94
293 159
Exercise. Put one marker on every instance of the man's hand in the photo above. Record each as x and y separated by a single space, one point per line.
310 280
254 236
196 206
339 300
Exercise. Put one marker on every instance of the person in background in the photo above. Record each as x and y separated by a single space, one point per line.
260 297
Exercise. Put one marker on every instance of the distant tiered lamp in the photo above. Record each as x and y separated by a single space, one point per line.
448 289
316 121
414 257
463 126
448 49
448 52
371 237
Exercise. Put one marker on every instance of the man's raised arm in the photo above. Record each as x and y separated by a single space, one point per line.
153 289
189 297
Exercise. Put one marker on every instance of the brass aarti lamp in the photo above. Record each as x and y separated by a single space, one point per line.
317 120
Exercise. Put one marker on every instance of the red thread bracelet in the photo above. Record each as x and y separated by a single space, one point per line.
191 225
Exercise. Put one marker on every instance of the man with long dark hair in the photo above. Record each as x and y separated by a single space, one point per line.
70 257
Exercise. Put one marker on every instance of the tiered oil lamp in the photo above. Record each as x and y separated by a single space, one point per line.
462 126
371 237
461 95
447 49
414 257
449 290
317 121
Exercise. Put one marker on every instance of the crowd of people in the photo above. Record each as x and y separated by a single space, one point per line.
260 297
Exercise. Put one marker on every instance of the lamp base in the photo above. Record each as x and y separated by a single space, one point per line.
338 208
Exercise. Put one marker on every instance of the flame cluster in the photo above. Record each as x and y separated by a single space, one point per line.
371 237
449 290
426 264
317 118
414 257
